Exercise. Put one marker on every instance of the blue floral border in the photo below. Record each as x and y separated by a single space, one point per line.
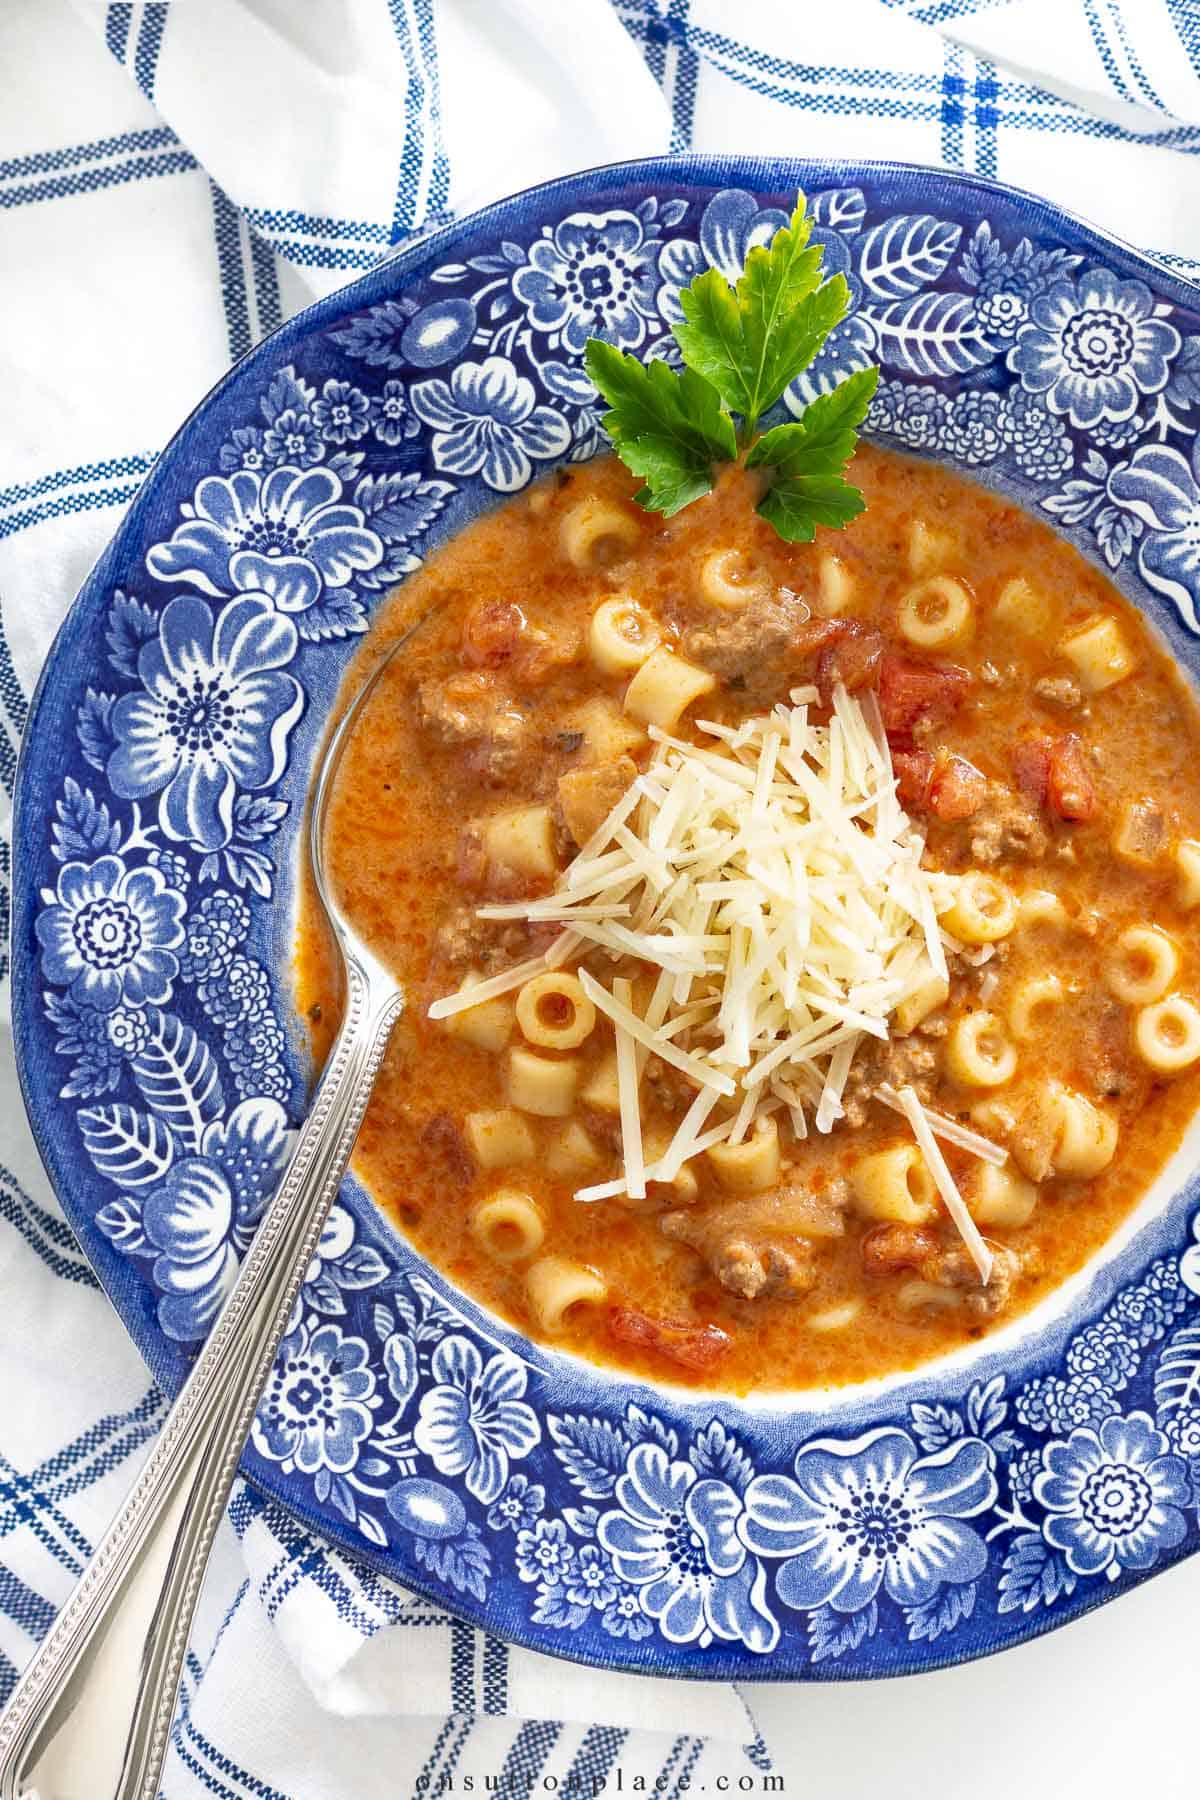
160 792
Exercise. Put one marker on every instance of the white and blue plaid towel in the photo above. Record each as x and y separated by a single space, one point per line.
174 181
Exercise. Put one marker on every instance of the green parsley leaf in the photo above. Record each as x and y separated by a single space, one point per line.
809 458
750 342
667 425
742 346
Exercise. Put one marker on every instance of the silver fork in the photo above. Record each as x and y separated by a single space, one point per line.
108 1671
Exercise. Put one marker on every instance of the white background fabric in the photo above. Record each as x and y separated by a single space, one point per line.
175 180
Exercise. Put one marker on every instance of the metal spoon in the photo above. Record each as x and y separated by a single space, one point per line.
108 1671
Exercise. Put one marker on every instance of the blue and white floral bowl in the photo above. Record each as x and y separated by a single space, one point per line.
886 1528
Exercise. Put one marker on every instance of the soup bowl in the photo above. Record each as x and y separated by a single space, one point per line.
872 1530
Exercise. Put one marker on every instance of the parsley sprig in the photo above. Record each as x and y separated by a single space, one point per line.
741 347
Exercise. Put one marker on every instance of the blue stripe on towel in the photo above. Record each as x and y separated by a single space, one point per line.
94 181
149 44
495 1676
1185 17
462 1668
424 176
227 227
527 1758
270 219
594 1758
49 1237
28 1609
41 162
65 504
82 472
116 29
266 285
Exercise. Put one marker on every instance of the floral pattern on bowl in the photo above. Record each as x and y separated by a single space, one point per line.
874 1531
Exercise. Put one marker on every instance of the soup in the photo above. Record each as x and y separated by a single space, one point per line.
798 940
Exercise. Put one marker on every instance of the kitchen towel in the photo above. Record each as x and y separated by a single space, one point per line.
174 181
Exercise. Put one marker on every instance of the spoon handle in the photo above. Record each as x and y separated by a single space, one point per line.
110 1665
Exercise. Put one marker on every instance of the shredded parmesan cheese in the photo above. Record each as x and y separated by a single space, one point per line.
945 1127
772 883
564 946
776 876
950 1129
627 1091
980 1255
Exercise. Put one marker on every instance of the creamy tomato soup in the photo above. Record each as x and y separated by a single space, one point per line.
851 892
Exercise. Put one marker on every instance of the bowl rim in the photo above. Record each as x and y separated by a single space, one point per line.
759 173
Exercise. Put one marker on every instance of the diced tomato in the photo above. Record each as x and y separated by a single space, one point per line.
690 1346
912 691
1030 761
948 787
914 772
888 1248
811 635
851 656
1070 791
1054 772
957 789
491 633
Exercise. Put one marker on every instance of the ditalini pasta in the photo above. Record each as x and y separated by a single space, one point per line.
621 635
596 532
559 1289
508 1224
725 581
801 942
937 613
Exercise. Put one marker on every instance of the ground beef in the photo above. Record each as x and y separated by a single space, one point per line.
751 648
895 1249
904 1062
952 1267
1104 1052
461 937
756 1247
1059 690
491 634
441 1138
1006 829
605 1127
668 1086
856 1096
466 711
749 1272
470 859
463 941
